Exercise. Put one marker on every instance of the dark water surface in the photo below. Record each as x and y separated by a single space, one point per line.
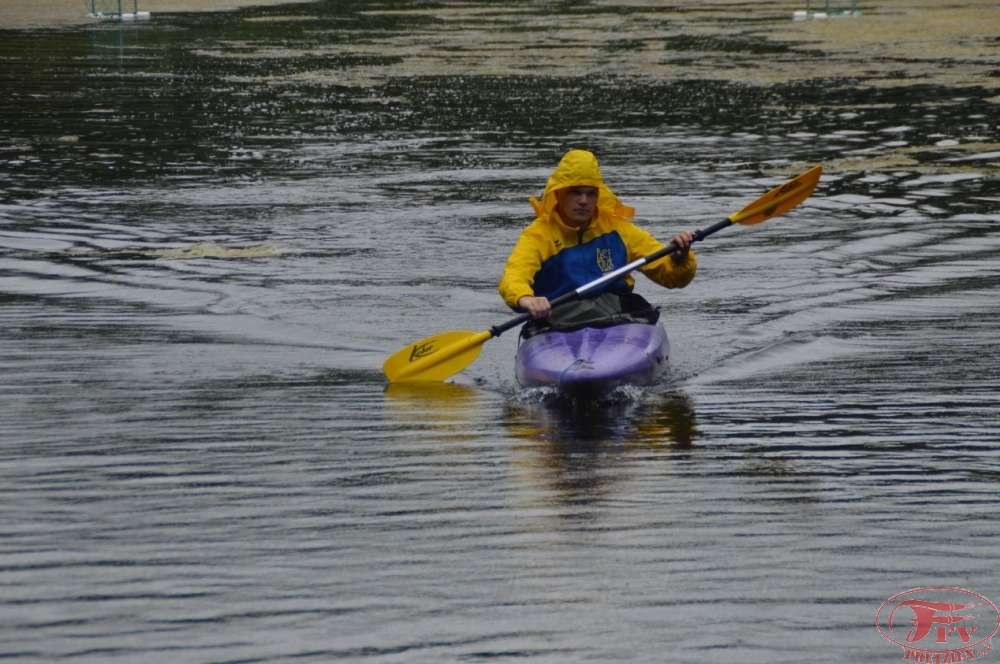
214 229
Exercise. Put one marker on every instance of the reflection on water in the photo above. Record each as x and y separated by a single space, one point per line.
630 416
668 419
215 228
580 450
447 411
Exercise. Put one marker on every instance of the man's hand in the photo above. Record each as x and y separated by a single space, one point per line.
683 241
538 307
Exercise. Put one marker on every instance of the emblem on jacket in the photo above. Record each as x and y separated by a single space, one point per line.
605 261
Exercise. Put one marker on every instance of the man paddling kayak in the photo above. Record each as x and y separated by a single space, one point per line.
582 231
443 355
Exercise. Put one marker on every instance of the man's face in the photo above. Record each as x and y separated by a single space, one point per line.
577 205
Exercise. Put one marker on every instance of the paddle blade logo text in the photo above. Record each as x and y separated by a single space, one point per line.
422 350
939 625
794 184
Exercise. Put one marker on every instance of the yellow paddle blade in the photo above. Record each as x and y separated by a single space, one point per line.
779 200
435 358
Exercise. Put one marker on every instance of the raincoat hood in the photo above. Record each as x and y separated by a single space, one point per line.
579 168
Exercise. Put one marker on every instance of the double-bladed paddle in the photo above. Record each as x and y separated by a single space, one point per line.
439 357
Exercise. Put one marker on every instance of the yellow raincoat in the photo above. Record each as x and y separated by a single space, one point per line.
552 258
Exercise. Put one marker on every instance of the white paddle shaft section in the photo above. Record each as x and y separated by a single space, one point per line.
655 256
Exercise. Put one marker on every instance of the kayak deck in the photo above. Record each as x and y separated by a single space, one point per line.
593 359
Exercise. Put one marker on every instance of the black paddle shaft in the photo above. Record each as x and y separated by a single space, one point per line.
497 330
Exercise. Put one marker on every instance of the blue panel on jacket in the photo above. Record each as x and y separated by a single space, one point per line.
575 266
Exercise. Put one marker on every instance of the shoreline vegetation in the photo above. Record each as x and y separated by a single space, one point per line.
891 43
21 14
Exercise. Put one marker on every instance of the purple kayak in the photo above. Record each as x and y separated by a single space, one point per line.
594 359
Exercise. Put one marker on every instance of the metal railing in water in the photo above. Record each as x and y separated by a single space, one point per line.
114 9
828 9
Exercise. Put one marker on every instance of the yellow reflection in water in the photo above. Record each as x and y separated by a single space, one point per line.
439 411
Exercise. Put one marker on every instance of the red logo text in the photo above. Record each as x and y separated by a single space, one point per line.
939 625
